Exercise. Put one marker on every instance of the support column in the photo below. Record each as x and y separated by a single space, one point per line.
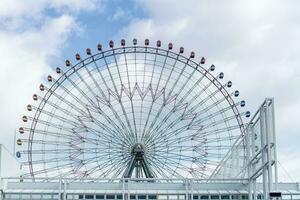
263 151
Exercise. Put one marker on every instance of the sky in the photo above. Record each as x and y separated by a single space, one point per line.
255 43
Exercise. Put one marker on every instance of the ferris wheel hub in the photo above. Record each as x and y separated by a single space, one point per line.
137 149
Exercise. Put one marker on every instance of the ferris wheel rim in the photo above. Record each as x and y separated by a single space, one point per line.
120 51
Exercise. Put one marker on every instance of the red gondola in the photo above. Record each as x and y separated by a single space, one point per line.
122 42
77 56
181 50
192 55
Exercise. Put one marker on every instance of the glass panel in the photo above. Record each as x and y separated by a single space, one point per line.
141 196
152 197
204 197
110 196
89 196
214 197
99 196
224 196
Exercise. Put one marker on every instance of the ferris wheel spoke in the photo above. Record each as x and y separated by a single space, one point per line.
87 116
169 169
52 115
108 164
177 163
132 107
109 132
155 94
180 90
62 99
186 112
221 111
142 103
158 169
201 132
81 92
159 137
166 97
106 100
51 169
150 86
119 98
206 109
130 93
76 126
43 142
60 151
169 94
93 105
110 170
84 115
169 154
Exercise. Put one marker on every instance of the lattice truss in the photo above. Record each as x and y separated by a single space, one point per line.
254 152
86 120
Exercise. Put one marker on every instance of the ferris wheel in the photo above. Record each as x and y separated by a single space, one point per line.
131 111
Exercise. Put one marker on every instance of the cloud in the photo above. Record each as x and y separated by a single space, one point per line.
118 14
31 35
255 43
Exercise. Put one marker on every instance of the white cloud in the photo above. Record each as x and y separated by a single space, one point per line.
118 14
256 44
30 37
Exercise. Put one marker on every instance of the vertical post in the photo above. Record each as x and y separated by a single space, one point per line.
248 157
65 187
254 190
186 189
192 190
274 144
123 189
263 150
59 189
268 121
128 188
253 165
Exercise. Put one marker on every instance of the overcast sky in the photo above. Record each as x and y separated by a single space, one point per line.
255 43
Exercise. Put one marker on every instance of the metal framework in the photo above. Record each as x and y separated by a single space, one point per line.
143 122
90 119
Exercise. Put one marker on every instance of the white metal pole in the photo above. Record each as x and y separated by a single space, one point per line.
253 165
268 142
248 163
59 189
274 146
263 150
65 187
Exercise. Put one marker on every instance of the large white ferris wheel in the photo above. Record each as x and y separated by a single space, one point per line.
131 112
